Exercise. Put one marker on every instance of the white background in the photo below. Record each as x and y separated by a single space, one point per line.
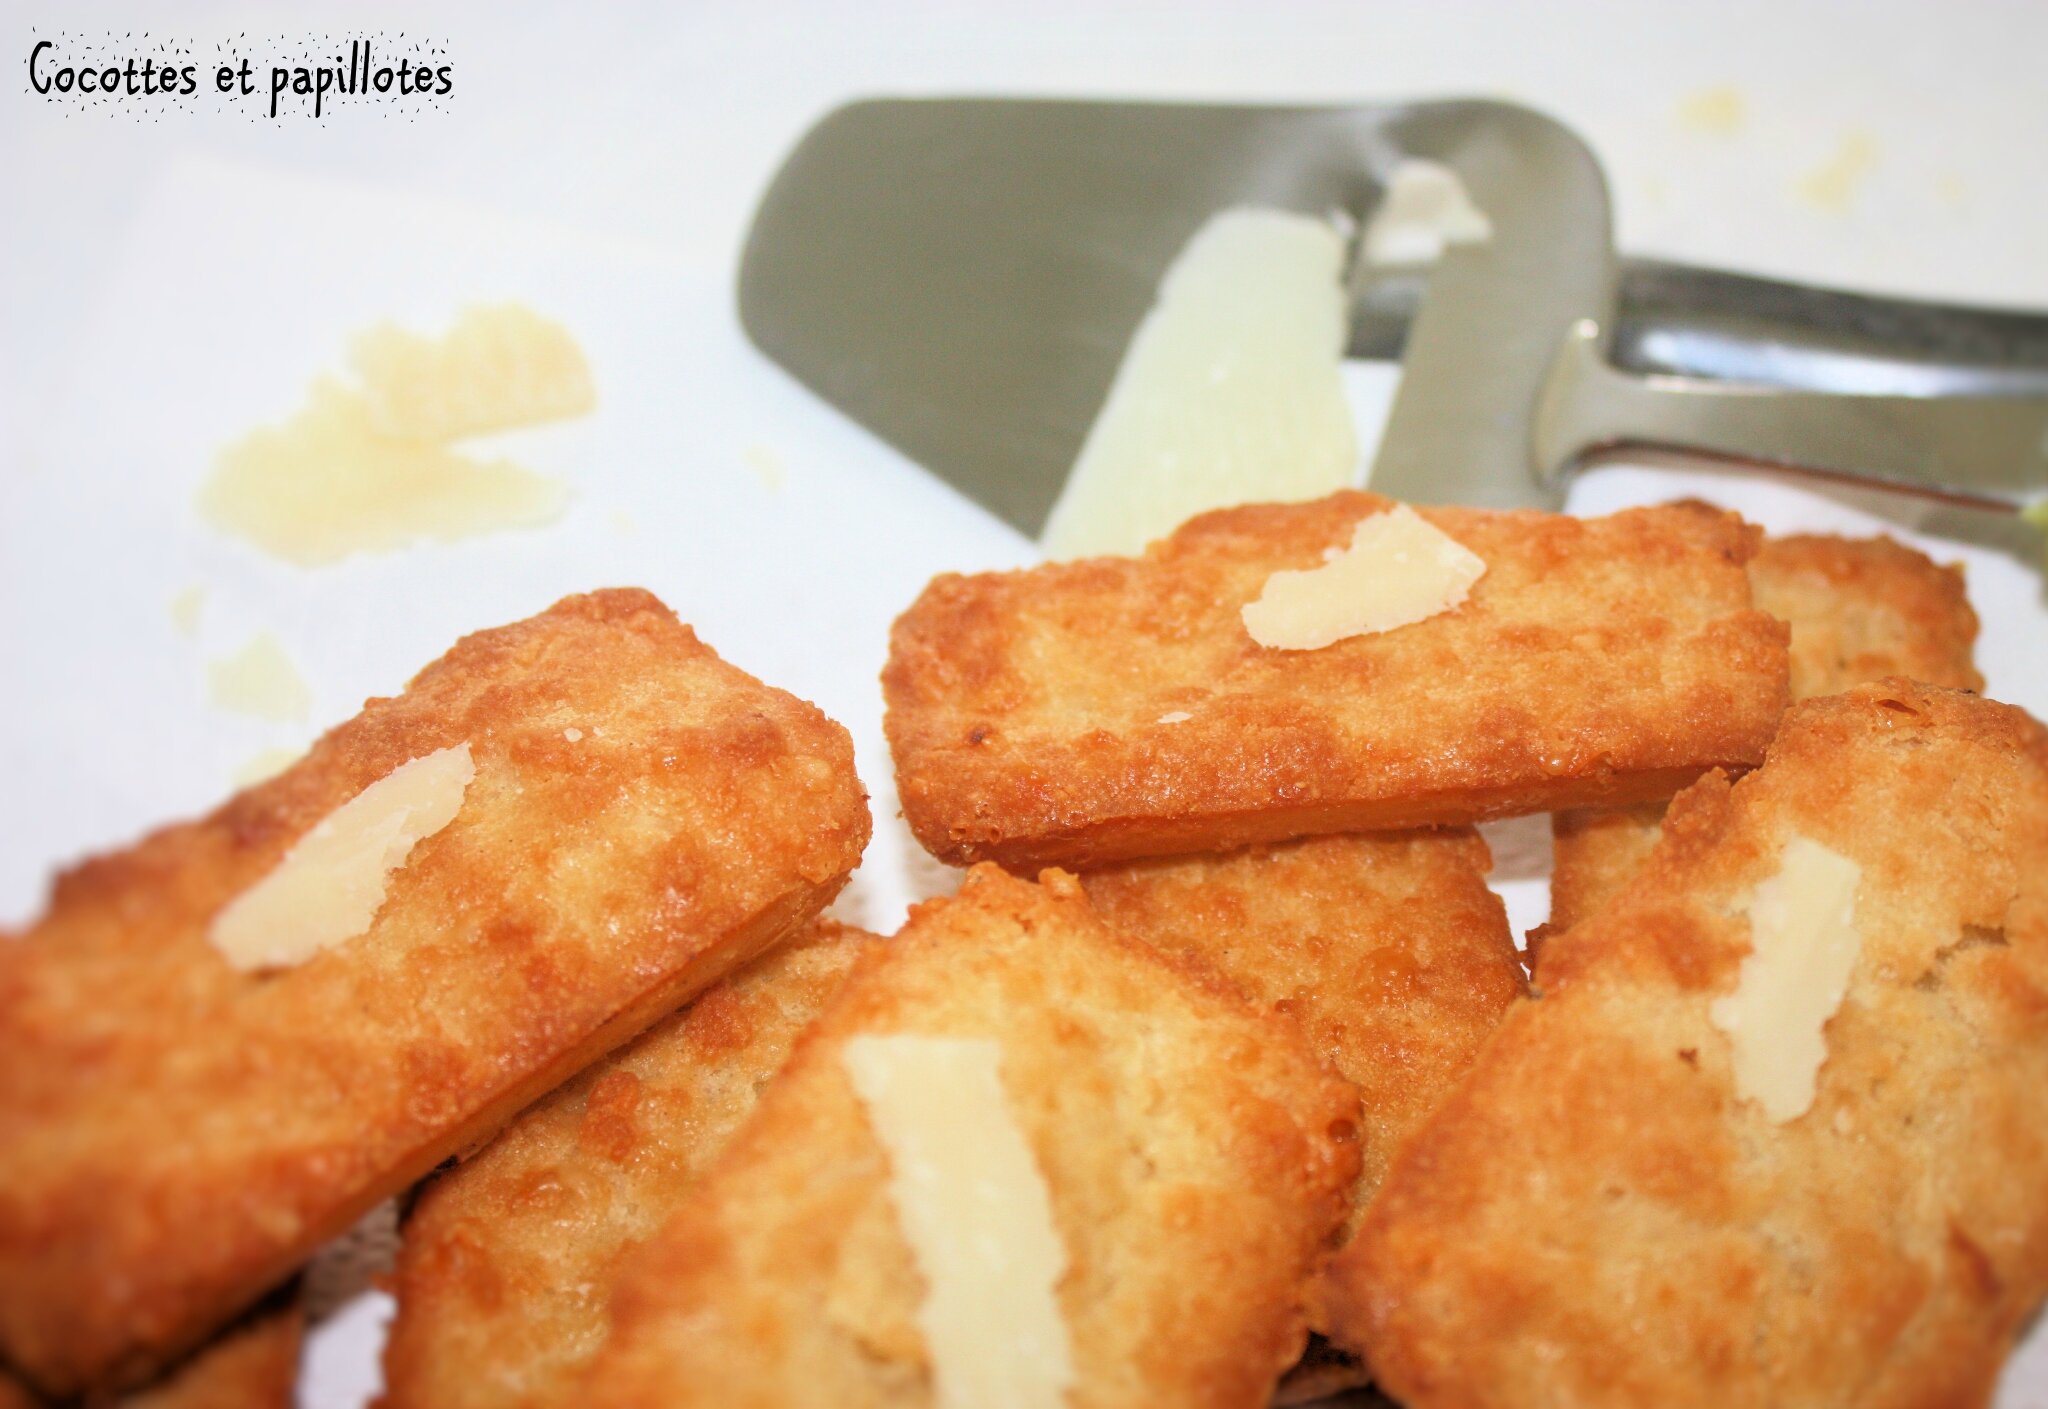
166 285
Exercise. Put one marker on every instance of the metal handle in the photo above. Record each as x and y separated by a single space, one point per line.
1742 328
1987 451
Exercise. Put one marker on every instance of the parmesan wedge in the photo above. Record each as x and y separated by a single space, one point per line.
976 1212
328 887
1803 944
1399 569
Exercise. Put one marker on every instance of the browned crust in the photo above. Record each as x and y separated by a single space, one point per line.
1863 609
1595 1218
1598 662
1860 609
180 1136
1594 855
1387 951
504 1275
1196 1154
254 1364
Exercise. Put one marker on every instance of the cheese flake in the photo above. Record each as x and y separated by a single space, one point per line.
1424 209
976 1212
1399 569
328 887
1803 945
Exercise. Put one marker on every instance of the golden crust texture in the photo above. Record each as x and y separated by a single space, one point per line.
1594 854
1196 1154
505 1273
1864 609
180 1135
1084 713
254 1364
1860 609
1387 951
1596 1218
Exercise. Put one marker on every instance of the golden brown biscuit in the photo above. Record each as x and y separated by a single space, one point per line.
254 1364
1091 712
1196 1154
180 1135
1594 854
504 1276
1600 1216
1387 950
1860 609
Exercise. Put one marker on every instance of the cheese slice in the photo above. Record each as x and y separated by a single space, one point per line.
1803 945
1424 208
1229 392
1399 569
329 885
975 1210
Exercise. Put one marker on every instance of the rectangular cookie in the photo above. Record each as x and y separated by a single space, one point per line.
1594 854
1772 1134
1386 949
1195 1156
254 1364
181 1133
1084 713
504 1275
1860 609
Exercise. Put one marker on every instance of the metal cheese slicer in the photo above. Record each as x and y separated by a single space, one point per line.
962 277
